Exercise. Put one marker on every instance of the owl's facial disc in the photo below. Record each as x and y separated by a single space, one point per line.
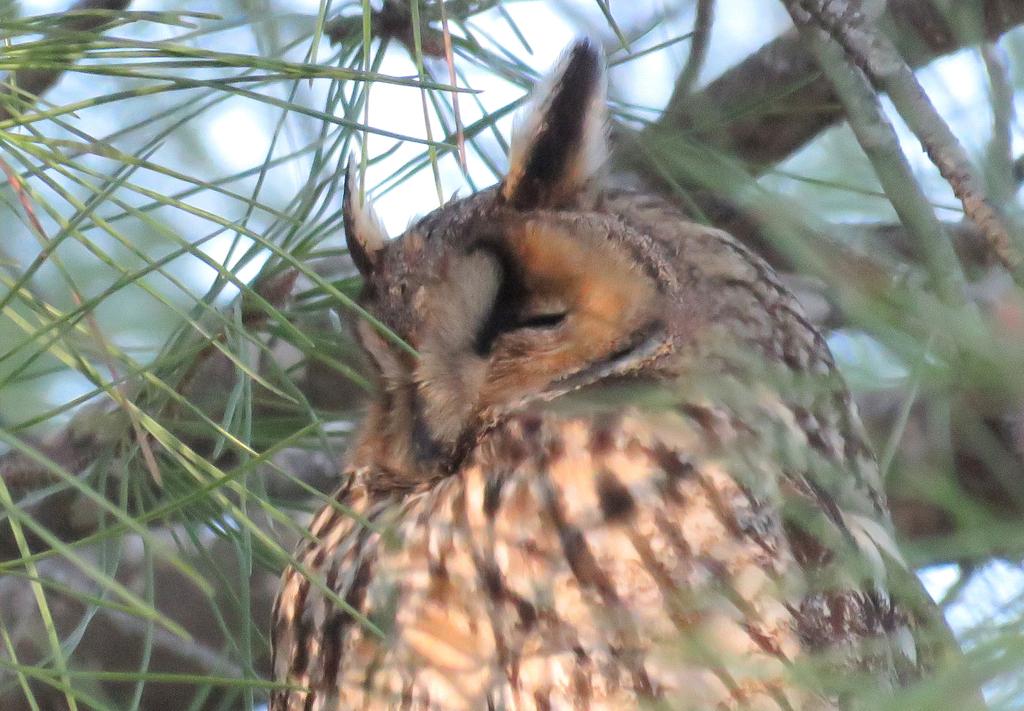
515 295
534 307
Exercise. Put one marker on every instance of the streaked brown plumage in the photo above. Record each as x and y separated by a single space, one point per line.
621 468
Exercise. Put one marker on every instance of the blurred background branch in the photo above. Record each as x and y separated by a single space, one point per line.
740 111
25 85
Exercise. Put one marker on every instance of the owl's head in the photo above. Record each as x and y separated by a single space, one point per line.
515 295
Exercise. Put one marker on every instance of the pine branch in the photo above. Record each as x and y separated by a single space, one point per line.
776 100
876 55
877 138
26 85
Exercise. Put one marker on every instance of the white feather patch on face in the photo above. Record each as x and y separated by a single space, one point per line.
473 283
450 375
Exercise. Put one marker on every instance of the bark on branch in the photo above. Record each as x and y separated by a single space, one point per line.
879 142
876 55
776 100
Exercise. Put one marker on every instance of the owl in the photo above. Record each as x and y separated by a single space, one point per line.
610 465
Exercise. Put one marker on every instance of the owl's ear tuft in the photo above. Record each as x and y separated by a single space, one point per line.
560 145
364 232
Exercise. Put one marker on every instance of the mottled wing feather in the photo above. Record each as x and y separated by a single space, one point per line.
572 565
771 317
310 629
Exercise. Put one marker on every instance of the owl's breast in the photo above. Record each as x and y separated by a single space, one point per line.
594 563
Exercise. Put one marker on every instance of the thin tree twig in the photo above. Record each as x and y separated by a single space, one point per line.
460 138
1002 182
878 57
880 144
783 76
394 21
